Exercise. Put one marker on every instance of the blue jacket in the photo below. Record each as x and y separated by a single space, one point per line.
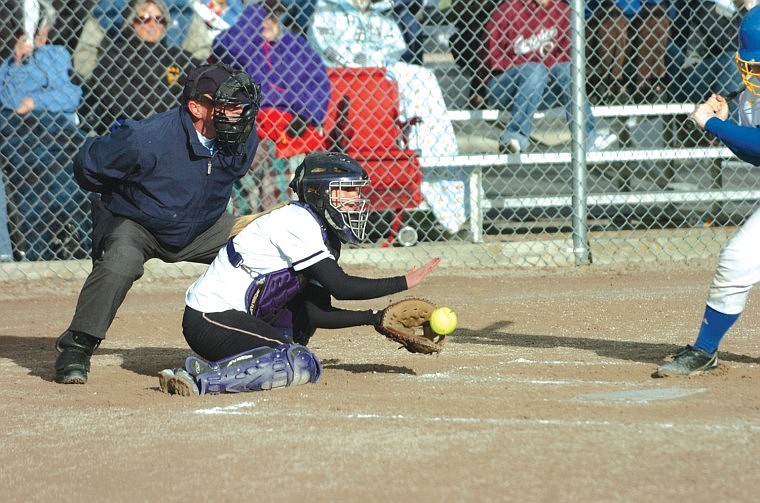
157 173
44 77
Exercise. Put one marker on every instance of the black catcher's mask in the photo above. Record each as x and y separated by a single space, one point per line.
316 178
236 100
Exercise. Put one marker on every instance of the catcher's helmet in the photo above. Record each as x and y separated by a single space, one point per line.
318 176
748 54
230 89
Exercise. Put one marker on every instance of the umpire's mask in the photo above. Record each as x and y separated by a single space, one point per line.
236 100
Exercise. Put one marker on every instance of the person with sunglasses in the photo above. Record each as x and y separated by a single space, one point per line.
164 184
138 73
187 27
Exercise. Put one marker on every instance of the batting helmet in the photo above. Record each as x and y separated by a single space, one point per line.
748 54
344 210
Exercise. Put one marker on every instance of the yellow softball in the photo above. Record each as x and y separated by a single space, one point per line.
443 320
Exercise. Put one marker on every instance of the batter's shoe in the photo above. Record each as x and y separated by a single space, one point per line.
73 362
177 382
688 361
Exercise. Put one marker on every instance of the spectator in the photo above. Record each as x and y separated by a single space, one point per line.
348 34
715 26
403 12
528 45
627 42
39 135
467 45
138 62
69 20
185 29
295 92
164 183
218 15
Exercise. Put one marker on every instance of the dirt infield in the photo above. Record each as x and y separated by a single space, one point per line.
543 394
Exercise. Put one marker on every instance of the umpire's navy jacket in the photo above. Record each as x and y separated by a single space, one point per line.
157 173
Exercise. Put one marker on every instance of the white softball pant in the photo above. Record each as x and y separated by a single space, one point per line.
738 269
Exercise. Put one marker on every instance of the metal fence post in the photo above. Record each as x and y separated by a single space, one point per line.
578 67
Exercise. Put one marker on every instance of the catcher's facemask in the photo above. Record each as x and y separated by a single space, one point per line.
333 184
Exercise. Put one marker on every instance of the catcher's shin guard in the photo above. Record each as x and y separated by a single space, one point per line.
287 365
198 366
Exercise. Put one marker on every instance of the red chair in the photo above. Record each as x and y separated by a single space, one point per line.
362 121
272 123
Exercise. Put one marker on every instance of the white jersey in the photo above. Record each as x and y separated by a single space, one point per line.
288 237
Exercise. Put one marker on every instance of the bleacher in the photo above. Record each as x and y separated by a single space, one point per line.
490 194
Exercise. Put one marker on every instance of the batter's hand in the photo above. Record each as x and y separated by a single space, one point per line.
415 276
720 105
715 106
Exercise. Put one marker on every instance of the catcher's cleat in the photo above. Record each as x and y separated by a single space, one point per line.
73 362
688 361
177 382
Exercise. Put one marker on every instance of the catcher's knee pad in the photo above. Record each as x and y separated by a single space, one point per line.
287 365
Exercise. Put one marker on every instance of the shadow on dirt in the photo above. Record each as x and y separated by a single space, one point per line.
644 352
38 356
366 368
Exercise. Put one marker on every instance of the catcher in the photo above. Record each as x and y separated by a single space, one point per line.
251 314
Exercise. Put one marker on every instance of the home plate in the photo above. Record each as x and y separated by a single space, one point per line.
646 395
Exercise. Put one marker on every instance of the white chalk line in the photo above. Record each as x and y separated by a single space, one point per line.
579 363
248 409
470 378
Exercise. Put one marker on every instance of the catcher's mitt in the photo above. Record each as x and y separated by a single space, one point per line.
407 322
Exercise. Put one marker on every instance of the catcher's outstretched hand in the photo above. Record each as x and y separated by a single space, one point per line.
416 275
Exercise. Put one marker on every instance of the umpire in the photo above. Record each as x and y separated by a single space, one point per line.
164 183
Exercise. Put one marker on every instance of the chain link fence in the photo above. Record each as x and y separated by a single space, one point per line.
526 132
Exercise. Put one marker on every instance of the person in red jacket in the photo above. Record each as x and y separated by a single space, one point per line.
528 54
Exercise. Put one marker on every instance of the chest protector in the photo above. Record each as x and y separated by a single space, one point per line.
269 295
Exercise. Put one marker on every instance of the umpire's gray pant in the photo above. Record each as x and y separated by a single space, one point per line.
126 246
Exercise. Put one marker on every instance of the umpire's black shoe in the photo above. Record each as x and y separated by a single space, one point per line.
73 362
